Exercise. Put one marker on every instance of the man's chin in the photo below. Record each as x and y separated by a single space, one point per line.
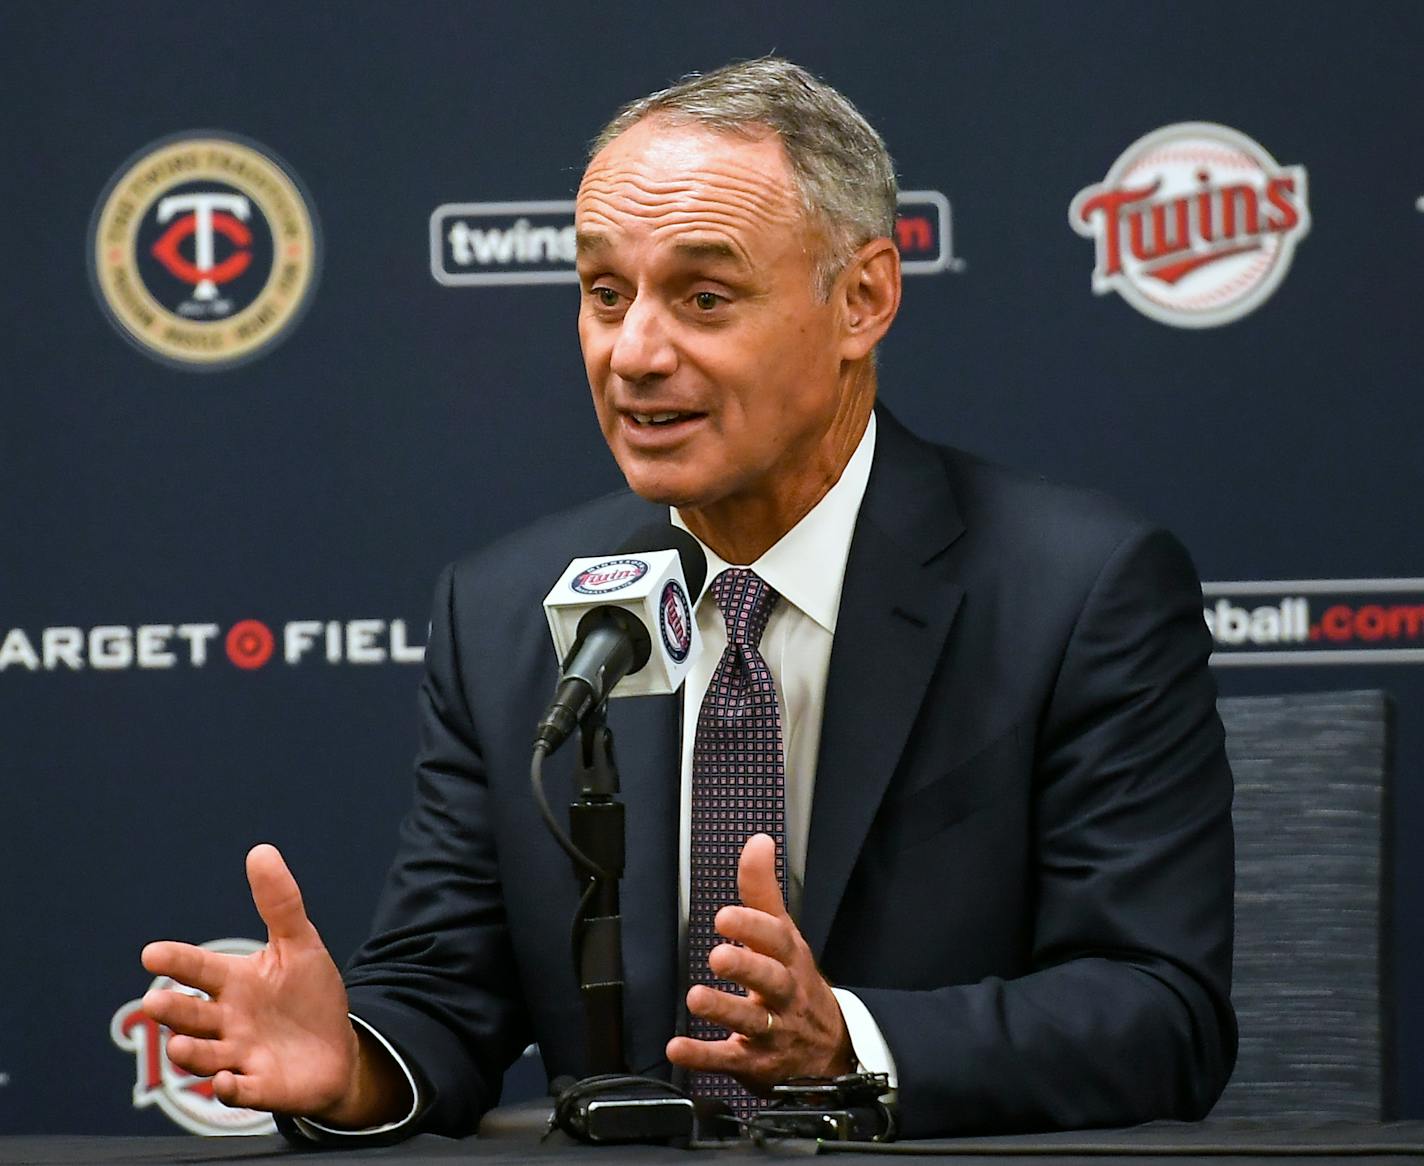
664 491
663 496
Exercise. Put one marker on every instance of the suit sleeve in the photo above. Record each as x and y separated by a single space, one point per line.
437 978
1124 1015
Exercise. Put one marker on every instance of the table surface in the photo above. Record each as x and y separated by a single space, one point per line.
1158 1142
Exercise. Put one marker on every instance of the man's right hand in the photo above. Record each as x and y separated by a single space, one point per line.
274 1033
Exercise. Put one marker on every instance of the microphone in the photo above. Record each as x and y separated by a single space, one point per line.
628 614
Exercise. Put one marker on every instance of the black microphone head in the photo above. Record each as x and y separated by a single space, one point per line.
663 536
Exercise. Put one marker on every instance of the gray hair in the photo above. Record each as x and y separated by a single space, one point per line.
842 170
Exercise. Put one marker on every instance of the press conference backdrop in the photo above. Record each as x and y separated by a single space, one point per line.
288 324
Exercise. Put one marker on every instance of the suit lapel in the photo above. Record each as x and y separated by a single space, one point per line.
895 612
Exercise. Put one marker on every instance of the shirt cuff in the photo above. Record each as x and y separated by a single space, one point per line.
317 1132
867 1042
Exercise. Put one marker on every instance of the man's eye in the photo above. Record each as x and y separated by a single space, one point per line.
606 296
706 301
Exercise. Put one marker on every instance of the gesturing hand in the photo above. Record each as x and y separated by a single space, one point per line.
274 1033
789 1023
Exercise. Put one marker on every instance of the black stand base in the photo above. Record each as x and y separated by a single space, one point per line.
615 1108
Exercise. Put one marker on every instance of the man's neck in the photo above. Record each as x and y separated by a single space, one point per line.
743 528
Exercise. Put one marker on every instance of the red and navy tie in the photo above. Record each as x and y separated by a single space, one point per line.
738 789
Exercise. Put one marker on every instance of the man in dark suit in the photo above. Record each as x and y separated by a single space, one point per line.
1004 807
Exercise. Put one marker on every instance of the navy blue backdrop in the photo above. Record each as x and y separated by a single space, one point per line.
405 413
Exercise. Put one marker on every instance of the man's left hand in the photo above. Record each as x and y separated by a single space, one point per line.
789 1023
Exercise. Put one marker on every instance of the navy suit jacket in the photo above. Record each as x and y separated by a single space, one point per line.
1020 851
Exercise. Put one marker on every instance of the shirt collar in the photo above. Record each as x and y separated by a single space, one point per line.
806 566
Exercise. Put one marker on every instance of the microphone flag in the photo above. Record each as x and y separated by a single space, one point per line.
648 584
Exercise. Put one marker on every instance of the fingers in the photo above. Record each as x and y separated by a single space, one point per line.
276 895
767 976
237 1091
184 1013
756 876
708 1056
767 934
734 1013
202 1058
194 966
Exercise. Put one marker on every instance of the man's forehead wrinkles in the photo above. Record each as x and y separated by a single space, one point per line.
727 213
701 234
698 246
725 206
741 187
596 213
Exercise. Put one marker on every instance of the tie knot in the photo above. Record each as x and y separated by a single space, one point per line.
745 600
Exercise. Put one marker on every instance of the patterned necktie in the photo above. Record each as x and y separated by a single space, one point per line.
738 789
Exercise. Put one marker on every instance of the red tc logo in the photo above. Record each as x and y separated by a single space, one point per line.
223 214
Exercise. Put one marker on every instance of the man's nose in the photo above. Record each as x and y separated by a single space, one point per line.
644 346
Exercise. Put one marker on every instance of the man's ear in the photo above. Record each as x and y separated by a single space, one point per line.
870 290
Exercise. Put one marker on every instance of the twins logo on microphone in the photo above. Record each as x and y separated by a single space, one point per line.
675 621
610 575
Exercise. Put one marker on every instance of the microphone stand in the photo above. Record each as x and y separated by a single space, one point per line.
612 1105
596 825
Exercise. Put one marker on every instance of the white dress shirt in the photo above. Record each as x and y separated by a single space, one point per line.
806 568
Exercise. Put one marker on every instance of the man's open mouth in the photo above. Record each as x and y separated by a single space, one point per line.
662 418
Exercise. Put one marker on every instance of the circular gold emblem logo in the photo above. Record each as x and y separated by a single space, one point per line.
204 250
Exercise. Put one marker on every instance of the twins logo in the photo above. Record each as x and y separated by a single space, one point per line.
1195 224
611 575
675 621
186 1099
202 216
203 250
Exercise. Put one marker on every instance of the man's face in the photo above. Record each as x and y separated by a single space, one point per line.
712 360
